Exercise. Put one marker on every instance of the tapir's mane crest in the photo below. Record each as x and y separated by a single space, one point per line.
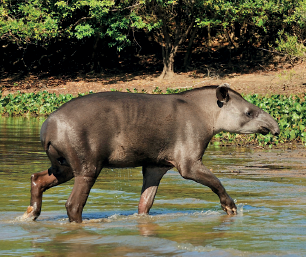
213 87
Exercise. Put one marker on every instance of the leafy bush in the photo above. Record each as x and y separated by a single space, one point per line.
290 45
27 26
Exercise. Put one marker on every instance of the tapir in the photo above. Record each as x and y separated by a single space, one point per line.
157 132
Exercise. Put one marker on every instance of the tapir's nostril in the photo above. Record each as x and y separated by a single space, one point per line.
276 132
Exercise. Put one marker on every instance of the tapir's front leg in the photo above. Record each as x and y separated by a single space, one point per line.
151 179
199 173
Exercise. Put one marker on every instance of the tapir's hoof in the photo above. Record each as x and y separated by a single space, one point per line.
29 214
230 211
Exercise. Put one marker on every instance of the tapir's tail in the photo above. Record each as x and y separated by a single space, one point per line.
44 136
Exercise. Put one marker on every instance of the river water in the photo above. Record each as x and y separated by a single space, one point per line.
186 219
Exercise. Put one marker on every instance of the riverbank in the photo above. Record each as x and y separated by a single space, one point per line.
287 80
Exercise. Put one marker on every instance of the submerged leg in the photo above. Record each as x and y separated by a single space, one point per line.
197 172
78 197
151 179
40 182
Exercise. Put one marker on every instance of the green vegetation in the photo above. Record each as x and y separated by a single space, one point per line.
37 35
289 111
41 103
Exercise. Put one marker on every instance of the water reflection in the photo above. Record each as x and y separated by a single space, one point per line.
186 217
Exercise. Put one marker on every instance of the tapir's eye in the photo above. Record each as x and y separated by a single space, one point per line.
249 114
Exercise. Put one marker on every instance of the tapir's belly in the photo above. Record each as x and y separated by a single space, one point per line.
121 157
137 155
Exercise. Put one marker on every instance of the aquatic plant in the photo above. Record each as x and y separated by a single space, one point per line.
289 111
40 103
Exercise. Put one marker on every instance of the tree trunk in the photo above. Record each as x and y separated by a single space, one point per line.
208 36
169 50
95 64
189 49
171 41
168 60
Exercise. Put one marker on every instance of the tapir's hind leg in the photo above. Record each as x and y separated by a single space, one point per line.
151 179
78 197
40 182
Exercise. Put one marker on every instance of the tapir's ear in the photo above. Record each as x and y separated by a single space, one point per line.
222 93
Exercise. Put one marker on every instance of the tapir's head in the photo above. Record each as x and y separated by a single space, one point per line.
239 116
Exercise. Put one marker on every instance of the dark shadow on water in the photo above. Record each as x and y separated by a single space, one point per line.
271 167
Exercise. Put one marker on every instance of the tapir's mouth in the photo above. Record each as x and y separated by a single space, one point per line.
264 130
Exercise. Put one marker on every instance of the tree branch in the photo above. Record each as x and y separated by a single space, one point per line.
128 7
80 21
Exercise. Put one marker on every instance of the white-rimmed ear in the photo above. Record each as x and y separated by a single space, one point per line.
222 93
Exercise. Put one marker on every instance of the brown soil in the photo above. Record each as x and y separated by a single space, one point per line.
288 80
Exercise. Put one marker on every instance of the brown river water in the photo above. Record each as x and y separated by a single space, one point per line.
186 219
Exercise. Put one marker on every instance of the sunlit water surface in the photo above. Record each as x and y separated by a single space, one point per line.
186 218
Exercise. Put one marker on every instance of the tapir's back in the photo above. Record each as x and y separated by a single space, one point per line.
117 111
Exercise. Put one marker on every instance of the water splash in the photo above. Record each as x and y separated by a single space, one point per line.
240 209
191 248
209 250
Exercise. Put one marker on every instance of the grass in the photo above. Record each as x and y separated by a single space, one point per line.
289 111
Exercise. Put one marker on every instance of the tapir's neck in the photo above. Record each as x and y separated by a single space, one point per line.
206 101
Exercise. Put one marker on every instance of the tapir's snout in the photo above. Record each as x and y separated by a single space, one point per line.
269 125
265 131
